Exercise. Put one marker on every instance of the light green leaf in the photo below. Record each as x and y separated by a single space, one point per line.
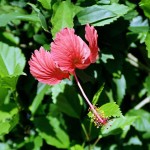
120 88
38 142
105 57
51 130
101 15
62 16
46 4
134 141
97 95
147 42
117 125
8 118
12 64
77 147
6 18
145 5
67 100
110 110
42 89
142 122
138 25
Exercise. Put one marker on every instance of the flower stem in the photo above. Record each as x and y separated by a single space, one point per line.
87 100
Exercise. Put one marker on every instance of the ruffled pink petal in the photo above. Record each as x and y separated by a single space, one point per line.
69 51
43 68
92 36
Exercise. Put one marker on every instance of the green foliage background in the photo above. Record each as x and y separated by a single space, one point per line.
37 116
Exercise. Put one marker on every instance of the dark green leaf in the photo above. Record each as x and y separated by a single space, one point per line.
50 130
97 95
101 15
120 88
67 100
7 18
42 89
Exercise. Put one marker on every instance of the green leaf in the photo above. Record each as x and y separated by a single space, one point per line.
77 147
117 125
142 123
105 57
145 5
67 100
9 117
120 88
3 95
97 95
101 15
38 142
62 16
6 18
12 64
111 110
137 25
42 89
46 4
51 130
147 85
147 42
134 141
40 16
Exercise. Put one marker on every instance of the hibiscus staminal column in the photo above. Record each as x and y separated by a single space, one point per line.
98 119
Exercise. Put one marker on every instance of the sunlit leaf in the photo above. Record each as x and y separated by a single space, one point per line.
8 118
12 64
147 42
46 4
62 16
117 125
138 25
76 147
142 123
111 110
145 5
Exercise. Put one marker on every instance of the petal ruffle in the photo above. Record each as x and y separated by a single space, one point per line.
43 68
92 36
69 51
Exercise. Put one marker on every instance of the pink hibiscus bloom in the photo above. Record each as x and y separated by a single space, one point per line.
69 51
44 69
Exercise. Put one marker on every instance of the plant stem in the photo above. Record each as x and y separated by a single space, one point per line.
87 100
142 103
85 132
136 63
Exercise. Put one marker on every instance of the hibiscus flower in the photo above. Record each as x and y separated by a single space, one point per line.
69 51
